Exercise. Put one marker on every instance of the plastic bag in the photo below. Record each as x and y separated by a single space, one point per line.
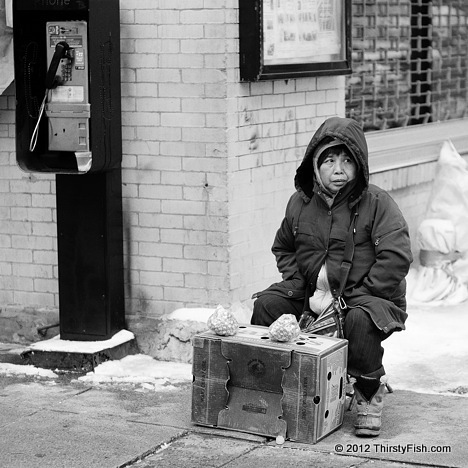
223 322
285 328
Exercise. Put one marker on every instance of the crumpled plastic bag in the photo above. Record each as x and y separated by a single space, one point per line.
223 322
285 328
435 286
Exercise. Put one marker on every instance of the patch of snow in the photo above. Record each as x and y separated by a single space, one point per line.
18 369
430 355
191 314
240 311
141 370
71 346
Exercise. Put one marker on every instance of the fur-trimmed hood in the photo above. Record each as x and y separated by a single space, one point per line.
350 134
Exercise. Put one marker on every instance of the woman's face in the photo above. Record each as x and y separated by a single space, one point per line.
337 169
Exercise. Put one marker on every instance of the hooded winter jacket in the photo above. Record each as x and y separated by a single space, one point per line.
313 232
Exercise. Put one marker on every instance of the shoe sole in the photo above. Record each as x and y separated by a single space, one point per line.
367 433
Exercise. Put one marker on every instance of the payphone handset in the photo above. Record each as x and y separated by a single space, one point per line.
66 100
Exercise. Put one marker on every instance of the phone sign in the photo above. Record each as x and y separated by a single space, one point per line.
72 41
79 59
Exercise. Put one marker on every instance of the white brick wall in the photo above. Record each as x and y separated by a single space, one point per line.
28 258
208 166
175 176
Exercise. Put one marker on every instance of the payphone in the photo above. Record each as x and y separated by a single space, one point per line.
66 98
67 76
67 80
68 109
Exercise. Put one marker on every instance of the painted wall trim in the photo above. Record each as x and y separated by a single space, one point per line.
412 146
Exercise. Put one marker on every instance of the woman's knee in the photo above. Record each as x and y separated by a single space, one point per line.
357 315
358 318
261 314
269 307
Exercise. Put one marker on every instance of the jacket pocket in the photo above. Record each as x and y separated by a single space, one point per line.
291 289
306 229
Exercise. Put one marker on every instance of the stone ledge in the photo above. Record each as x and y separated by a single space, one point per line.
20 324
165 339
162 338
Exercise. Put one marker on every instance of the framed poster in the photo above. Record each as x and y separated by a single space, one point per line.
282 39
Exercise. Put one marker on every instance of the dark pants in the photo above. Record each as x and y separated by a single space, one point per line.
365 352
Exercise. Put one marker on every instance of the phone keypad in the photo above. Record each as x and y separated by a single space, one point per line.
66 70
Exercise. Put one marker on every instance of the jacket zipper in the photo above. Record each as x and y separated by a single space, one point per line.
377 241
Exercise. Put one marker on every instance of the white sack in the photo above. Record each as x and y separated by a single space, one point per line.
449 197
442 238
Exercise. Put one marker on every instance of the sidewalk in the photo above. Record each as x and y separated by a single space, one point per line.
67 423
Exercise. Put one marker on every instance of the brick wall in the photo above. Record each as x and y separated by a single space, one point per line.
174 144
28 258
208 166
